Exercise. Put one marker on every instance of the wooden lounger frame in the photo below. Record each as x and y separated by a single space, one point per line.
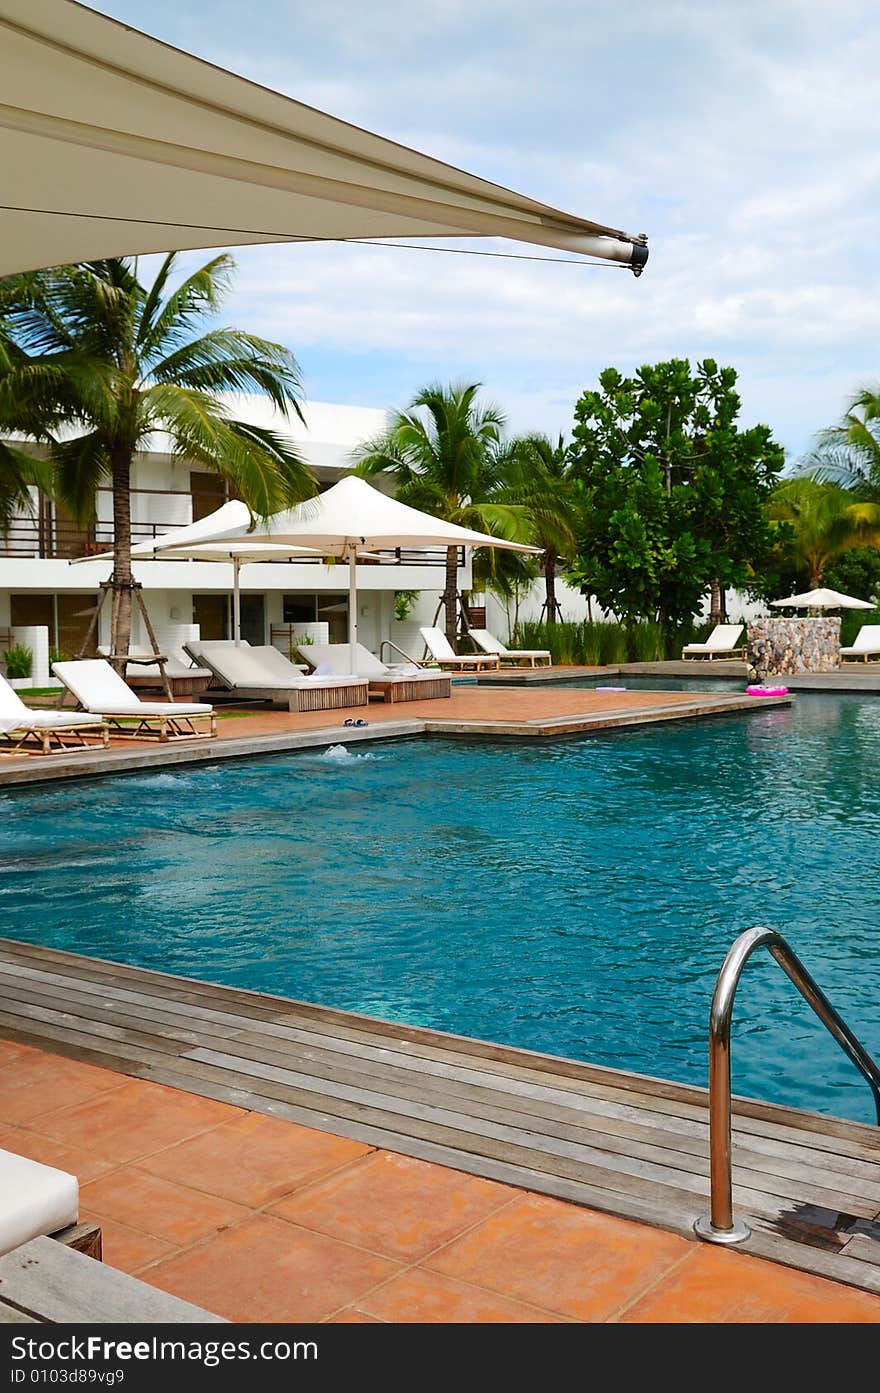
54 740
392 689
163 728
527 660
333 698
354 693
462 662
84 1238
728 654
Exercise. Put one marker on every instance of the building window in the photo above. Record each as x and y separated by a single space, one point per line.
211 613
67 617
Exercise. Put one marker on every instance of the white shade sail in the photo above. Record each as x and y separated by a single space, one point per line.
112 143
821 599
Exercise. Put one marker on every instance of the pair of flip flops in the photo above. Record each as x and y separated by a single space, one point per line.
350 722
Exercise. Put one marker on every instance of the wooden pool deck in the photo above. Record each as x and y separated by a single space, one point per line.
615 1142
471 712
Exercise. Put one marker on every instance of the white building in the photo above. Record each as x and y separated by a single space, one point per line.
40 588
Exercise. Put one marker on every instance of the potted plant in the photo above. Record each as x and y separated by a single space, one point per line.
19 662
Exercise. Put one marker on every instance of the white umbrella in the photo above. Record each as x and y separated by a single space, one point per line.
821 599
352 518
188 543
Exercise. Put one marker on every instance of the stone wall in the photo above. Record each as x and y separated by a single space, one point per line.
781 646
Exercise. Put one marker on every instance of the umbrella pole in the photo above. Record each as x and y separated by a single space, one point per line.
236 601
352 609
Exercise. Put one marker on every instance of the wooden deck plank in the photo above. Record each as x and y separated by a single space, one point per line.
772 1120
632 1145
548 1111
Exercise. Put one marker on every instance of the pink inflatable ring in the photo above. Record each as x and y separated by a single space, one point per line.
766 691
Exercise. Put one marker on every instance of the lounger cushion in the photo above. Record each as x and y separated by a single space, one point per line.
722 638
14 715
492 645
158 708
867 641
57 720
262 668
100 689
174 666
34 1200
336 658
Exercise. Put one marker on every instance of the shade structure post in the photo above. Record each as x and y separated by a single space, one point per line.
352 608
236 600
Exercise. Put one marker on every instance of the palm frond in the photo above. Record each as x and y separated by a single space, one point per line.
81 465
231 360
173 320
20 472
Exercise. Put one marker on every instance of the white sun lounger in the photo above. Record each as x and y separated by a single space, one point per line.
264 674
866 646
181 672
101 691
21 728
35 1200
407 682
440 649
517 657
721 643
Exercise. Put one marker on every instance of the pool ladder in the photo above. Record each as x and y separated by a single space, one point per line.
720 1226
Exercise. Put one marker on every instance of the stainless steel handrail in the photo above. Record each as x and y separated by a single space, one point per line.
389 643
720 1226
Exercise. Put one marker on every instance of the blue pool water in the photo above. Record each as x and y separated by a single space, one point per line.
575 897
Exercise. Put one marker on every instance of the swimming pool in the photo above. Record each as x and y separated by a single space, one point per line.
574 896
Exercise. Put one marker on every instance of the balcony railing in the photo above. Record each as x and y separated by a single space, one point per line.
44 534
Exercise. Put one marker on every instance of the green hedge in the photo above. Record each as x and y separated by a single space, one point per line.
587 644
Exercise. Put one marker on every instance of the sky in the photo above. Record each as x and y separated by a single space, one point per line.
740 135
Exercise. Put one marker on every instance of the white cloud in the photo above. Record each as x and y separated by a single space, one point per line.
743 136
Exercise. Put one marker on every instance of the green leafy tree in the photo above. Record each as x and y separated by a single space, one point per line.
540 476
671 491
447 457
90 347
856 573
822 523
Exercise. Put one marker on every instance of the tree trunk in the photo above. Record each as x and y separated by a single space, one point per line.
450 593
550 585
120 634
717 603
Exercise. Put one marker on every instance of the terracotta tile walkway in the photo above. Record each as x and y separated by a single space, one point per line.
260 1219
465 704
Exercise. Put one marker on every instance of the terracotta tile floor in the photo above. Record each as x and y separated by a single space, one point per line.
260 1219
465 704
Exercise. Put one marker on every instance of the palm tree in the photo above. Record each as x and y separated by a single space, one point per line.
20 469
447 457
90 347
508 574
540 477
824 521
849 454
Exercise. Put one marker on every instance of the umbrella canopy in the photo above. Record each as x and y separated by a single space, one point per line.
352 518
821 599
112 143
188 544
353 515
